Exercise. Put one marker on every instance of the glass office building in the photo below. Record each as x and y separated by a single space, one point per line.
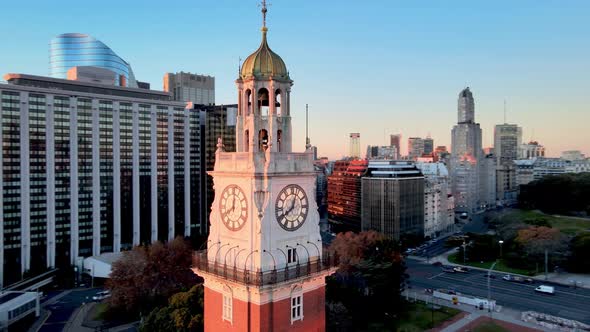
76 49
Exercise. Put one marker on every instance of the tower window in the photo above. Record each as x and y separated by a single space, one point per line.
296 308
291 255
227 309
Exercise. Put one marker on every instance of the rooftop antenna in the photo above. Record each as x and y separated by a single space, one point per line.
505 112
239 66
307 140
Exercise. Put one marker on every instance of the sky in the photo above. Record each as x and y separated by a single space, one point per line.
375 67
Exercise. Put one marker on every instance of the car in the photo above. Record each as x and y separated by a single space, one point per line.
545 289
448 270
461 269
491 276
507 277
437 264
101 295
410 250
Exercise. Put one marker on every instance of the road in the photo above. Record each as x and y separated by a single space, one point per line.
64 308
566 302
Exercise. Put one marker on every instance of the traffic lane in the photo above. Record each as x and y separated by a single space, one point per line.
565 303
62 310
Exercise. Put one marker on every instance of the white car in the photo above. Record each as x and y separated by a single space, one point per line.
545 289
101 296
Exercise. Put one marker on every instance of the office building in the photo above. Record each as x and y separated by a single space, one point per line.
382 152
428 146
415 147
488 185
439 213
531 150
466 155
528 170
76 50
573 155
393 199
344 195
355 145
395 140
90 168
198 89
507 141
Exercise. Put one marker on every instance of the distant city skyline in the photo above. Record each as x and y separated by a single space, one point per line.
393 67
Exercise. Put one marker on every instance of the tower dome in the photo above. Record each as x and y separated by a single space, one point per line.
264 63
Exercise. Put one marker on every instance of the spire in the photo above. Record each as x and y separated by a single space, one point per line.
307 140
264 11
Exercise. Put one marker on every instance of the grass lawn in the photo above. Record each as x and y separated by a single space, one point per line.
501 266
99 310
567 225
419 317
489 327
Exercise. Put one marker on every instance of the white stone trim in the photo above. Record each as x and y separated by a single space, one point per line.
74 221
187 174
136 193
25 180
95 178
170 173
50 179
116 177
154 175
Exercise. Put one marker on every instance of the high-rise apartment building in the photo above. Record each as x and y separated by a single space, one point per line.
466 155
198 89
91 168
439 214
396 140
355 145
344 195
77 50
382 152
415 147
428 145
507 141
393 199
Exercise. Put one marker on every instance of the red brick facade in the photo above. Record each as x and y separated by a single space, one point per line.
275 316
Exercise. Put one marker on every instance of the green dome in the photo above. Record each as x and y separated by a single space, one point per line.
264 63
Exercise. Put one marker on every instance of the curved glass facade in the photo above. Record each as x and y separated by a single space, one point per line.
75 49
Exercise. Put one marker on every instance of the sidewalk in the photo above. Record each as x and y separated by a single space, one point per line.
565 279
501 313
75 322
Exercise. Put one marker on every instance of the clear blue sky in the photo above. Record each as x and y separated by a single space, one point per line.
375 67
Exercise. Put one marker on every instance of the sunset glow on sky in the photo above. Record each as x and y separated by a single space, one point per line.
377 68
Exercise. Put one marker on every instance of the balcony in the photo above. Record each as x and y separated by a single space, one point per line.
264 278
278 162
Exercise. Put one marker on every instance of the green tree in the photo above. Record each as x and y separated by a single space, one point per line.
184 313
580 247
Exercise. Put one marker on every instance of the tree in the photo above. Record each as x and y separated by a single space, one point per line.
580 247
146 277
563 194
184 312
536 239
369 281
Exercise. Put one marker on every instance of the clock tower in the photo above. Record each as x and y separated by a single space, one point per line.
264 268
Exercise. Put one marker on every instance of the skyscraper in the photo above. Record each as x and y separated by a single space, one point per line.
355 145
428 145
415 147
466 154
507 140
91 168
76 49
199 89
395 140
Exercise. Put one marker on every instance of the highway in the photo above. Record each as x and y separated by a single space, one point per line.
566 302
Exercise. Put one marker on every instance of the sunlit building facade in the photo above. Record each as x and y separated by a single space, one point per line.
76 50
90 168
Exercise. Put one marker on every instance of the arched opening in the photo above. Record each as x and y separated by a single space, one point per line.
248 102
247 141
278 102
263 101
279 138
262 140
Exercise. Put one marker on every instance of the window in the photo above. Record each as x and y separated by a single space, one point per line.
227 307
296 308
291 255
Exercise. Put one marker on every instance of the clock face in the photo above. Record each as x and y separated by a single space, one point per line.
291 207
233 207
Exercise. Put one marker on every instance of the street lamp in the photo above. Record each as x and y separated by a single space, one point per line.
489 289
501 242
464 249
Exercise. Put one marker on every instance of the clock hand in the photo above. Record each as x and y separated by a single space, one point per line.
233 205
292 206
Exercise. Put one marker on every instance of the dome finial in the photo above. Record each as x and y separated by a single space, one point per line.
264 11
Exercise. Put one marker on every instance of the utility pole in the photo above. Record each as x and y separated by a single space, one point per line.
489 289
546 262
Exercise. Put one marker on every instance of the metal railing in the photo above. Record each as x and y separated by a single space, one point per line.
262 278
